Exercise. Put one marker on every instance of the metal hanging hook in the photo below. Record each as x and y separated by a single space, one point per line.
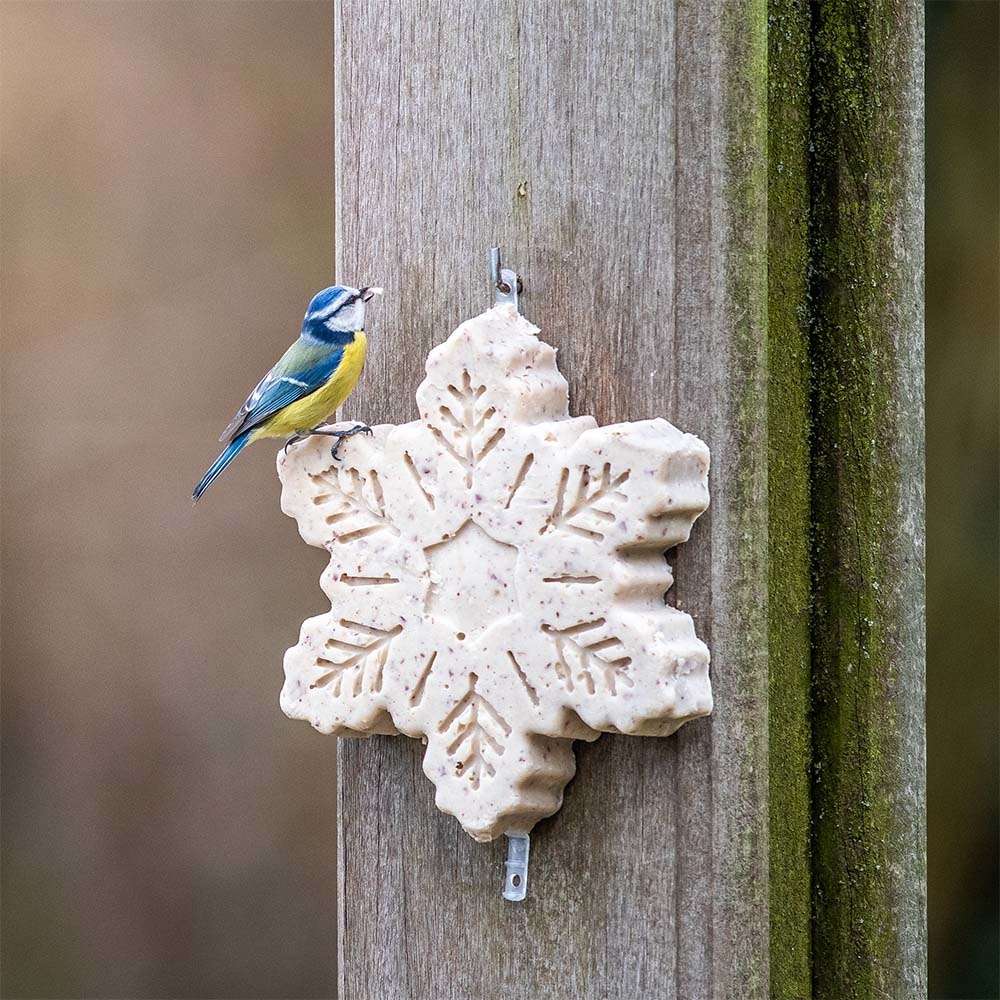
515 883
507 284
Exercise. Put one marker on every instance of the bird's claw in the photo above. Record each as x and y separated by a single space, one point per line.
341 435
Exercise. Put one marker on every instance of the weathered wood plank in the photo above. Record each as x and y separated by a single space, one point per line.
867 499
616 152
789 512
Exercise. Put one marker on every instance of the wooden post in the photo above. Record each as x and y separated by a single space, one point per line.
866 349
619 153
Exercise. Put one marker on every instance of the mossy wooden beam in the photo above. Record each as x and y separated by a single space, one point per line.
716 209
867 499
788 575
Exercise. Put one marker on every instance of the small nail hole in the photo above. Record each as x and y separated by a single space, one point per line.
515 880
460 636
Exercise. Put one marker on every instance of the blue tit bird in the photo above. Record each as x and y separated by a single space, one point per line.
314 376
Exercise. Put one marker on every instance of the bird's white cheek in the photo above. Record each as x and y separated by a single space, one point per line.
349 319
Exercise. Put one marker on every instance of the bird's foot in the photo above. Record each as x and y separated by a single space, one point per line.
340 435
294 439
326 432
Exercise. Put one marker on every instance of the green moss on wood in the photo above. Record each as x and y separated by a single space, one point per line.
745 33
857 191
839 453
788 416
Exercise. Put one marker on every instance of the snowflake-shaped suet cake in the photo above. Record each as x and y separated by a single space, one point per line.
497 578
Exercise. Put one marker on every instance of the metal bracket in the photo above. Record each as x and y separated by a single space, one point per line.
506 283
515 886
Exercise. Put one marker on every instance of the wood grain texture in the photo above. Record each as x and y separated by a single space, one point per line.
616 153
869 843
789 568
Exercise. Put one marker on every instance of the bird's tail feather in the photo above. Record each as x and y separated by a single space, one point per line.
231 451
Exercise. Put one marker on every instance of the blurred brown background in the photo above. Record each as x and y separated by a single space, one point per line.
166 211
963 497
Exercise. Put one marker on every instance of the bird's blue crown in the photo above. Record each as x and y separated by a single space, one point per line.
334 315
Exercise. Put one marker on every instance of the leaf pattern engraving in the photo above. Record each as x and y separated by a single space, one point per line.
589 491
355 500
466 426
480 735
418 690
418 481
529 688
354 660
585 651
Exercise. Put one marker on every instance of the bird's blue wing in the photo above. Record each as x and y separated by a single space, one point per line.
278 388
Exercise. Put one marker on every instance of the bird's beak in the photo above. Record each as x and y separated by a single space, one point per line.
368 293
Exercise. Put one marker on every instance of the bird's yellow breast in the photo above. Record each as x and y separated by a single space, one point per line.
306 413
